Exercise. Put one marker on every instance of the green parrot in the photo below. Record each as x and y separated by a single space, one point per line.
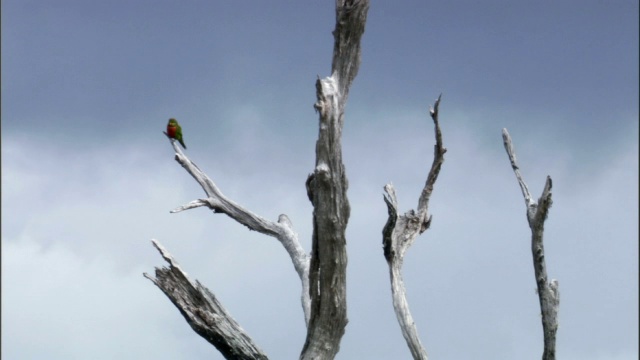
175 131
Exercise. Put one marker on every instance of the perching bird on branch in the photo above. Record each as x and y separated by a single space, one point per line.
174 131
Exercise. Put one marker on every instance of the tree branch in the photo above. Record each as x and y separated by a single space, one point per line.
400 232
351 17
327 189
203 312
438 159
282 230
548 291
512 158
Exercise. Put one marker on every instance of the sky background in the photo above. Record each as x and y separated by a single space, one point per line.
88 178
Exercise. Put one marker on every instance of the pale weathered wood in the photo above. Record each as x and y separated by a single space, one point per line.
282 229
401 231
327 189
203 312
548 292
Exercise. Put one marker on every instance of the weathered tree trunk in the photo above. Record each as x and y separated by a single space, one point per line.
327 189
548 291
400 232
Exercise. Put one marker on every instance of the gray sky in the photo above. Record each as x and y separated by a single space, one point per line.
88 178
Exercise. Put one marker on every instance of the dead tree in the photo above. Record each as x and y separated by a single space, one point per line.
323 272
548 292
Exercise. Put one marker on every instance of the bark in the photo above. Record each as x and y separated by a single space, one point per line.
548 292
203 312
327 189
399 234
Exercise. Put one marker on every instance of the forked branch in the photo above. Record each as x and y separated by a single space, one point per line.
400 232
548 291
281 229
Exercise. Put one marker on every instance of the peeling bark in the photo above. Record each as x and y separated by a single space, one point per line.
548 292
400 232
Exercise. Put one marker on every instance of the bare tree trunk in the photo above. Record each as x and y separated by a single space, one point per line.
327 189
548 291
399 234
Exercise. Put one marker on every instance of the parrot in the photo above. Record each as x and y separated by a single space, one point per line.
174 131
